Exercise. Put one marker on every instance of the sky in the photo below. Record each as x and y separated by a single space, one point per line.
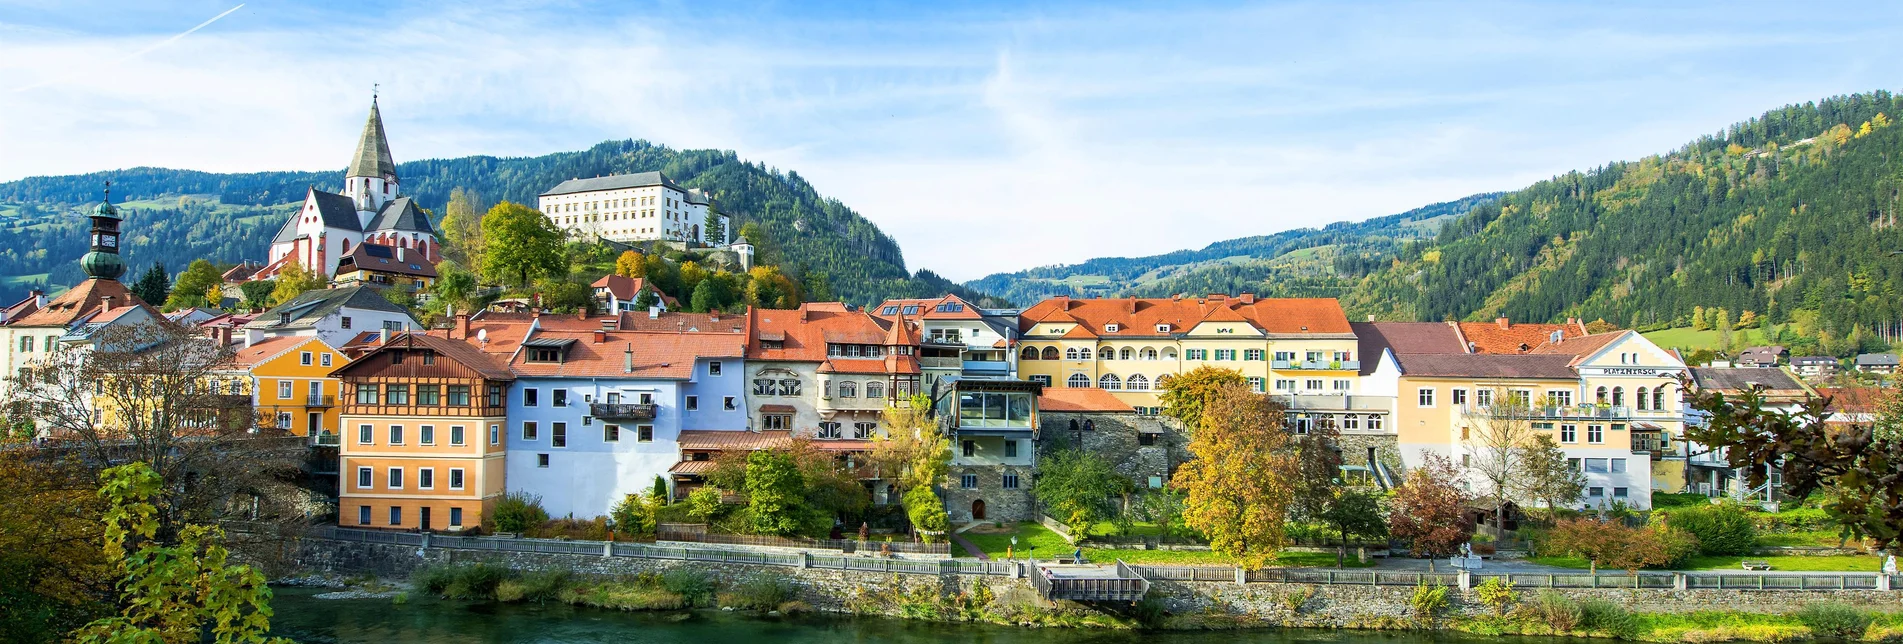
984 137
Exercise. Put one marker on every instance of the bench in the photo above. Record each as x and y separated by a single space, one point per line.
1756 565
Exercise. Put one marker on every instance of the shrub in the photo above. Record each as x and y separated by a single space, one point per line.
1663 500
433 579
1609 618
540 586
1834 619
759 593
510 591
704 504
1557 611
1296 598
1496 593
1428 601
475 582
1150 611
1793 520
692 585
518 512
795 607
1721 529
925 510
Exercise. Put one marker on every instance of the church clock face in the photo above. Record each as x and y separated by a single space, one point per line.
109 241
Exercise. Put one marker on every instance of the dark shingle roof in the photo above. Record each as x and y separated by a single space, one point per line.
1488 365
336 210
387 259
310 306
1876 359
1742 378
612 182
401 213
373 149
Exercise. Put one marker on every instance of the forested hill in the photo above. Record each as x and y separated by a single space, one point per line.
1792 216
180 215
1303 262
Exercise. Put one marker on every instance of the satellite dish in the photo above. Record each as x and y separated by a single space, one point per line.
482 335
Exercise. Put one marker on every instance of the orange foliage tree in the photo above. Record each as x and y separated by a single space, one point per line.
1241 482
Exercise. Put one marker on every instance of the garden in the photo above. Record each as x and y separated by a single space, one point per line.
1690 532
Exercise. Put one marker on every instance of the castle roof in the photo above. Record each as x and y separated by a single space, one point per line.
614 182
373 149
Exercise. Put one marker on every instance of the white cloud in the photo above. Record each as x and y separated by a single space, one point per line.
983 139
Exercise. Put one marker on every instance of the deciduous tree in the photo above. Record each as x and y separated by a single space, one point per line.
1241 482
776 493
1498 440
1547 477
520 245
1078 487
1185 396
630 264
1429 510
1354 513
462 228
195 286
293 280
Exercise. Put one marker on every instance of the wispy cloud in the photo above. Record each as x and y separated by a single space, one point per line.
984 137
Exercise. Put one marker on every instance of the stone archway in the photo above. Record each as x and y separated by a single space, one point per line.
978 510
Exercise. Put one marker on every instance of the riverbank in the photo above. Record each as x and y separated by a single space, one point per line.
1654 614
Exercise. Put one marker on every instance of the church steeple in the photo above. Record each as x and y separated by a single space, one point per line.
103 262
371 180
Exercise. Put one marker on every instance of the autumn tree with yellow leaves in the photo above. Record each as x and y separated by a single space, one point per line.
1241 482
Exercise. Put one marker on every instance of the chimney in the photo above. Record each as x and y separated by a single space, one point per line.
382 335
461 330
713 316
627 359
1503 322
1248 298
39 297
601 335
582 313
654 312
105 303
1370 317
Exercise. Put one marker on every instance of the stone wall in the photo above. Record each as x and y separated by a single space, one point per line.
1387 449
1000 504
1118 438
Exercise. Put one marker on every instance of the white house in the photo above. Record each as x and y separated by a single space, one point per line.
644 206
336 315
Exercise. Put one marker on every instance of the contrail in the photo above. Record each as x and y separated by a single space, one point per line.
149 49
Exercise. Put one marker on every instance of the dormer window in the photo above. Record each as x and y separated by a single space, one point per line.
285 318
545 355
1111 327
1162 328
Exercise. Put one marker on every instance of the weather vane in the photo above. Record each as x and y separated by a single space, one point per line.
108 191
373 91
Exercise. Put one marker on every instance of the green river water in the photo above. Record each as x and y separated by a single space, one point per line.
429 621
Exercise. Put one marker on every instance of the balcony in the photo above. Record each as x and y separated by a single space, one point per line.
326 438
1316 365
939 362
627 411
320 401
998 367
948 340
1335 403
1579 412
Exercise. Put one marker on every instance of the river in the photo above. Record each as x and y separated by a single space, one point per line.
431 621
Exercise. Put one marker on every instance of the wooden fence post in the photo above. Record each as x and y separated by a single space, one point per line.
1242 576
1678 581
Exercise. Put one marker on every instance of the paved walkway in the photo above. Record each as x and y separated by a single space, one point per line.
969 547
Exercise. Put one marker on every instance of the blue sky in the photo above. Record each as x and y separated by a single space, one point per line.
984 137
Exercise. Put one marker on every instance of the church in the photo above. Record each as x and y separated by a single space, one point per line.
369 211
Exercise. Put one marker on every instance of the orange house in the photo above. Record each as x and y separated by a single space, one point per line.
423 444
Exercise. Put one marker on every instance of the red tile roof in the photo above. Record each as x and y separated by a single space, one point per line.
1503 336
928 309
1580 347
1080 399
657 355
81 301
805 332
716 440
1138 317
269 348
466 353
629 288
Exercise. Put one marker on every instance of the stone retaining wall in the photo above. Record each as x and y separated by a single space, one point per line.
1264 604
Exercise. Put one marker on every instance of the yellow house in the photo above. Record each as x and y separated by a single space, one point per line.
294 390
1292 347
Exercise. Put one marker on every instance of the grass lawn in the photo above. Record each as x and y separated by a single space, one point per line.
1827 538
1048 544
1687 338
1834 563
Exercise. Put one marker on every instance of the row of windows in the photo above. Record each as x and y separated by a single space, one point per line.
396 516
425 435
860 430
1287 385
26 343
558 432
1615 396
970 481
426 395
393 478
1301 423
1569 432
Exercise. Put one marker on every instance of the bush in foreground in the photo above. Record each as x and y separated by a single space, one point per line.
1834 619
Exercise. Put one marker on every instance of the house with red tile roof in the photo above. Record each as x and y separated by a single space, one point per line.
958 339
617 294
827 370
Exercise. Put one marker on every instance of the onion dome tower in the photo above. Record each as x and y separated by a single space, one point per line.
103 262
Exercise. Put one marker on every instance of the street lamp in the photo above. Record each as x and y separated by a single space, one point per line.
1013 548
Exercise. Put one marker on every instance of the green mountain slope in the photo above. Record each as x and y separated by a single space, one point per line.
1792 215
1320 262
229 217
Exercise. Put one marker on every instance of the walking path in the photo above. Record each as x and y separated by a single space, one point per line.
969 547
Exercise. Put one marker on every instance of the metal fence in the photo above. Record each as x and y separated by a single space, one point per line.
842 545
1662 581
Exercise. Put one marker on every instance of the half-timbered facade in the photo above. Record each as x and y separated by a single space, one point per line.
424 420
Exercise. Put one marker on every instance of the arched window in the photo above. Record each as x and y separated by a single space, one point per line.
1642 401
1073 425
1070 353
1137 382
1600 396
1658 398
875 390
1126 353
1109 381
1029 353
1149 353
848 390
1618 396
1106 353
1050 353
1169 354
1077 381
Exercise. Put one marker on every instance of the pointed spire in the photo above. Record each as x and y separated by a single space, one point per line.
373 150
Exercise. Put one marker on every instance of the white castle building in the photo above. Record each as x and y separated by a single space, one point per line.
644 206
370 210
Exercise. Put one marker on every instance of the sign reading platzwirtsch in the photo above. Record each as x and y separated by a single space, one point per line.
1637 372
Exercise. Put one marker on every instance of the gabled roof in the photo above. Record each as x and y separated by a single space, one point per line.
265 350
310 306
1733 380
21 308
1813 360
1080 399
612 182
949 307
387 259
80 302
1581 347
373 149
656 355
628 289
1468 365
805 332
1876 359
334 210
244 270
1406 337
1505 336
400 213
462 352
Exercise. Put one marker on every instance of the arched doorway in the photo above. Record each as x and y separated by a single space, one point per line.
978 510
